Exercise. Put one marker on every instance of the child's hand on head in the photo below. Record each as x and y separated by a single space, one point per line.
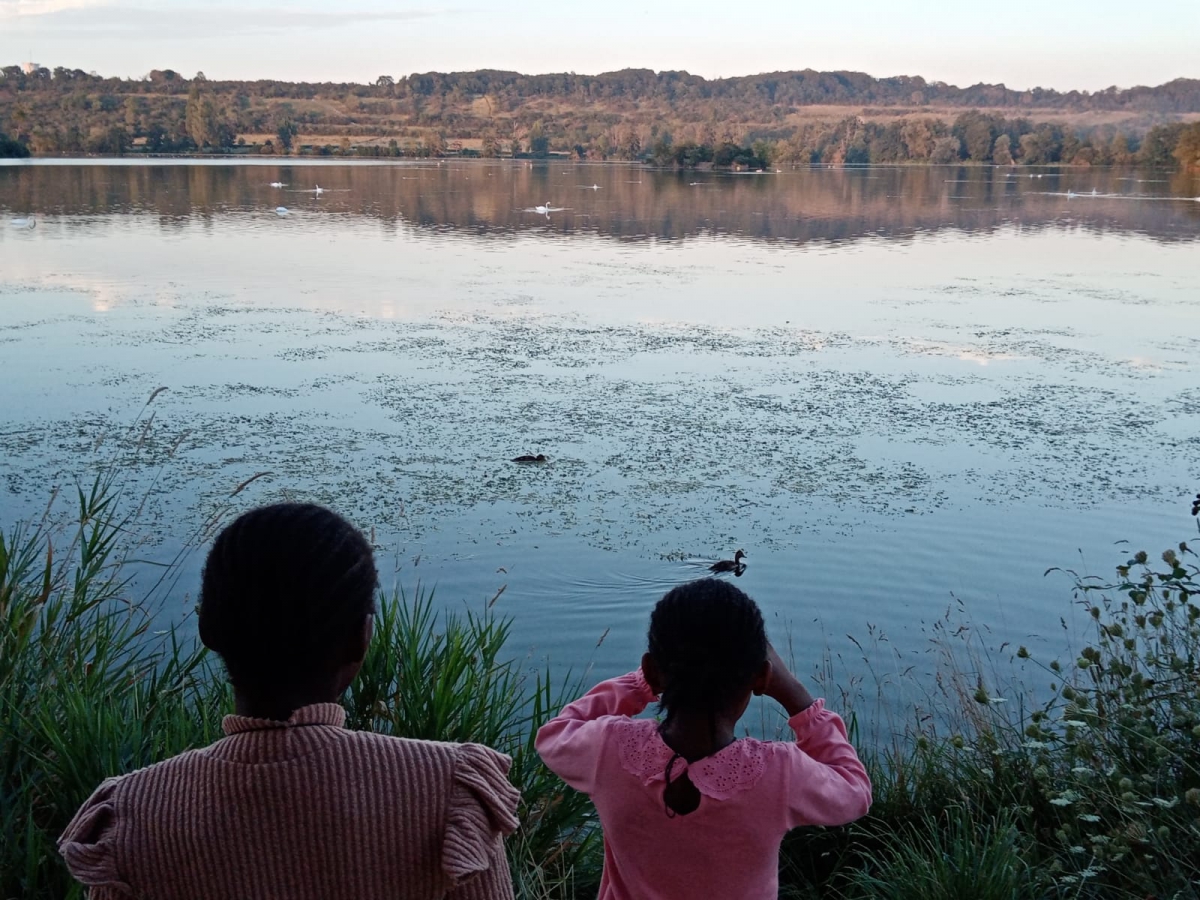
784 687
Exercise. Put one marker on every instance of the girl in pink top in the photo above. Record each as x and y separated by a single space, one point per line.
687 809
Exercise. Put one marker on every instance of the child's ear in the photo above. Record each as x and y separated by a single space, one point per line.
356 646
652 674
762 679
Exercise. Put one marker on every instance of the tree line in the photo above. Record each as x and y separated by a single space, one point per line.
802 87
971 137
669 118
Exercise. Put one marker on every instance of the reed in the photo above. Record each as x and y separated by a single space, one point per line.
86 690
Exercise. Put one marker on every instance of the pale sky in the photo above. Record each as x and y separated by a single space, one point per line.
1064 44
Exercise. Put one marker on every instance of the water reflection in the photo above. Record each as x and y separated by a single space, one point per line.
881 422
623 202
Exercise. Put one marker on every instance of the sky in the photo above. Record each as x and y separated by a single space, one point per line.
1061 44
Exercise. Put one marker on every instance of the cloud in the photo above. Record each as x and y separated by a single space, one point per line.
14 9
98 17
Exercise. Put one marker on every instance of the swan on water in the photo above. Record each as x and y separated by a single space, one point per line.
281 211
318 191
27 222
278 184
545 209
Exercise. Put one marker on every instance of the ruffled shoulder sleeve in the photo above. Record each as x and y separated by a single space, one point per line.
482 807
89 843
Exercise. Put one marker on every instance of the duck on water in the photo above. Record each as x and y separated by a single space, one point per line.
529 458
729 565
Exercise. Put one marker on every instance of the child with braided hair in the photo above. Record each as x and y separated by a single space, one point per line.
689 810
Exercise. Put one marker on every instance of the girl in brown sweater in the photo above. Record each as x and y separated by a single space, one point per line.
289 804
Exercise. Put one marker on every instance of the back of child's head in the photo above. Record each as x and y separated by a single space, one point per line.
708 641
286 588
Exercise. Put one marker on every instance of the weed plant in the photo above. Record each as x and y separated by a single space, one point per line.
1115 754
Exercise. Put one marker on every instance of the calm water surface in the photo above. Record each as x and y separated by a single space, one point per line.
892 387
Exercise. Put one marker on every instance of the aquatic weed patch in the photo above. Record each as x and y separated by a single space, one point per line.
672 420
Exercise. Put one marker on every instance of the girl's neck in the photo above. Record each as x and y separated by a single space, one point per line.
278 708
697 735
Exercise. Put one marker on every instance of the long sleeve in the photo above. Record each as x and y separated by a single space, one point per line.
825 782
494 883
89 845
568 744
482 809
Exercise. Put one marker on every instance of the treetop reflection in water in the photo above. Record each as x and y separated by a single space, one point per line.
626 202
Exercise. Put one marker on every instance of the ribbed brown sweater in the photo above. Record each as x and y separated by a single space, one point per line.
303 810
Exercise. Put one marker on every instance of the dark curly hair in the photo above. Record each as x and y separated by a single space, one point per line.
285 589
708 640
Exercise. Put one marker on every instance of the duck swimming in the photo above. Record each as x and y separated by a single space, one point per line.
729 565
530 459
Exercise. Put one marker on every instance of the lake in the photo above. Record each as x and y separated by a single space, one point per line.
898 390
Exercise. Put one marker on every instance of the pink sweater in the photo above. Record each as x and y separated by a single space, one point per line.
752 792
301 810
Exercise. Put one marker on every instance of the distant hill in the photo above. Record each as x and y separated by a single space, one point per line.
626 114
801 88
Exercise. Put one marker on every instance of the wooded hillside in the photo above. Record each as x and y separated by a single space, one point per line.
672 117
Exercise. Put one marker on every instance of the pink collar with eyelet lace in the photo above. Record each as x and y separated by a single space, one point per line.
727 772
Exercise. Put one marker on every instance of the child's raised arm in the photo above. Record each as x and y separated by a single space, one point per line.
824 780
569 743
826 783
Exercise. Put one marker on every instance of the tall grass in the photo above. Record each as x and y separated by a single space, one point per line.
86 690
89 690
953 856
